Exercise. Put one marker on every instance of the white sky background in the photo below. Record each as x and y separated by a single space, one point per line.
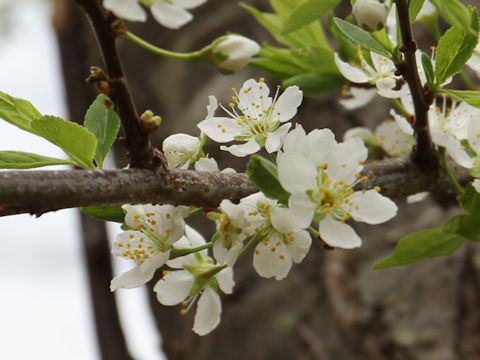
44 302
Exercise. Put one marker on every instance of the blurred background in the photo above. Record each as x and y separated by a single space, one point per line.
55 302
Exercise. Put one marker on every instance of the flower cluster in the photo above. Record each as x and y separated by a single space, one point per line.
321 186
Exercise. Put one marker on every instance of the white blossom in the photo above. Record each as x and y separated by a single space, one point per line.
199 279
321 186
370 14
180 149
392 139
155 229
257 123
237 49
169 13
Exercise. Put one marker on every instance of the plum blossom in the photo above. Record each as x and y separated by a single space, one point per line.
382 74
169 13
258 122
392 139
200 278
320 175
448 126
154 229
370 14
235 52
181 149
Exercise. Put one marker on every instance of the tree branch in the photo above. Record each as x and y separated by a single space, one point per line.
138 144
37 192
424 153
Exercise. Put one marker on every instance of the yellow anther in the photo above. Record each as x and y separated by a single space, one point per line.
282 257
364 178
183 312
168 231
261 79
273 249
168 216
120 244
165 272
129 245
257 251
219 125
344 165
357 175
231 105
140 246
377 188
223 130
361 162
234 98
184 303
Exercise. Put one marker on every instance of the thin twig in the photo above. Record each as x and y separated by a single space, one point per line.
423 154
138 144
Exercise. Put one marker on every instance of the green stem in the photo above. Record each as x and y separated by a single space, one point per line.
159 51
185 251
443 155
252 242
314 232
400 107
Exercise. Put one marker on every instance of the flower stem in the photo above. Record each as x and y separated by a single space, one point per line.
185 251
400 107
159 51
451 177
314 232
252 242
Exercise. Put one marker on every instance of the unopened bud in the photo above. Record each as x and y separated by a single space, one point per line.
149 122
231 53
370 14
180 149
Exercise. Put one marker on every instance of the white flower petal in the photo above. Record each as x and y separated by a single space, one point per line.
140 274
288 103
170 15
248 148
296 173
411 199
206 164
476 185
299 245
358 98
189 4
225 280
354 74
220 129
402 123
209 309
345 160
371 207
302 208
284 220
126 9
453 146
271 258
174 287
338 234
275 139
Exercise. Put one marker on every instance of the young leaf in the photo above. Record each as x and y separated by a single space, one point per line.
105 213
470 201
455 13
414 9
75 140
102 120
263 174
361 37
421 245
25 160
316 83
454 49
18 112
307 13
428 68
469 96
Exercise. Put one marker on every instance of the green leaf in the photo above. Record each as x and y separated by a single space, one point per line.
18 112
315 83
105 213
102 120
361 37
263 174
307 13
421 245
428 68
454 49
25 160
414 9
470 200
75 140
469 96
455 13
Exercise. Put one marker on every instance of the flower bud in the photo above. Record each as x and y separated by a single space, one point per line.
179 149
149 122
233 52
370 14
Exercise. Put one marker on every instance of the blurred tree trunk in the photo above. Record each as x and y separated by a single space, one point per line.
332 306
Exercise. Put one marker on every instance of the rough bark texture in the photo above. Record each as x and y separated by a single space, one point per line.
332 305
